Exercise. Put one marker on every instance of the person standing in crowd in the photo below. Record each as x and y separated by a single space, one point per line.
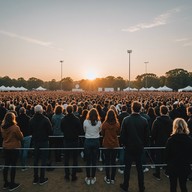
41 129
121 116
23 122
49 113
92 128
189 121
134 136
57 133
110 131
178 155
12 137
146 152
161 131
71 128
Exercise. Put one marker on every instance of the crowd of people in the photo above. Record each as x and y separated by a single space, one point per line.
97 125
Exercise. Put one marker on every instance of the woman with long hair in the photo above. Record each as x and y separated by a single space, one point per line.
110 132
92 128
12 137
178 155
56 126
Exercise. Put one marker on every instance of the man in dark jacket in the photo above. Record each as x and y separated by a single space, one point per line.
41 129
161 131
71 128
134 136
121 116
23 122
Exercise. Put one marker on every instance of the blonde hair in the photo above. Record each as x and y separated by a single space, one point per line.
180 126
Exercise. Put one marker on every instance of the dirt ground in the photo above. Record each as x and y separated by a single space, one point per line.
56 182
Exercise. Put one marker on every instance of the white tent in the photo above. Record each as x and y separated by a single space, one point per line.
143 89
151 88
12 88
164 88
188 88
3 88
130 89
40 89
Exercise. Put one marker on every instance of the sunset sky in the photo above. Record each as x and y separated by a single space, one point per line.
92 38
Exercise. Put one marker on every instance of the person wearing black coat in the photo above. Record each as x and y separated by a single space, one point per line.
41 129
134 136
189 121
161 131
178 155
23 122
71 128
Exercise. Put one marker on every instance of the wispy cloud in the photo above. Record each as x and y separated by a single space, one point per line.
181 40
158 21
186 42
30 40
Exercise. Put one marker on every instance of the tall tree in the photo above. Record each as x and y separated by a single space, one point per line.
67 84
177 78
33 83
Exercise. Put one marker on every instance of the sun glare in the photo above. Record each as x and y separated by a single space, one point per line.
91 75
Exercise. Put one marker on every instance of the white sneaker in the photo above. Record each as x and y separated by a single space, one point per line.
145 170
93 180
120 171
87 180
107 180
113 182
100 168
82 154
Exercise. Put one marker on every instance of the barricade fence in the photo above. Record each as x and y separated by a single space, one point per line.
85 166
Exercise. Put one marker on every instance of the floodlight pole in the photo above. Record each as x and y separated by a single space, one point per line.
61 72
146 62
129 52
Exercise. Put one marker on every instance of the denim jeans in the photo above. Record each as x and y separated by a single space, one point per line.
24 152
91 153
40 155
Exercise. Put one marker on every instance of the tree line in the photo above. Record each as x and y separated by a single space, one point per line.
175 79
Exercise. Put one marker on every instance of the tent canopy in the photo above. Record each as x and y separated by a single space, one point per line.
188 88
40 89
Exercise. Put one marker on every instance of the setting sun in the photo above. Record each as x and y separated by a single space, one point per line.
91 75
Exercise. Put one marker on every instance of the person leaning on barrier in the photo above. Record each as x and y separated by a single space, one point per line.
134 136
178 155
12 137
71 128
41 129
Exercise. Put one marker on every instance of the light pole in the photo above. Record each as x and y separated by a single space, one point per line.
61 72
146 62
129 52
